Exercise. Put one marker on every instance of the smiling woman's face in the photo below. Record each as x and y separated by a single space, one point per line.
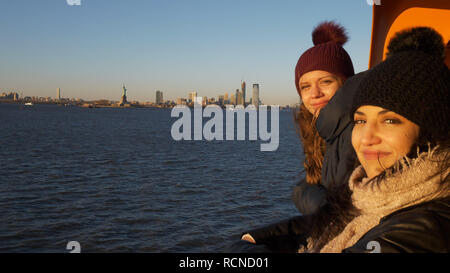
317 88
381 137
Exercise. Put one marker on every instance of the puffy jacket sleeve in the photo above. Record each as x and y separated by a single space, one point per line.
308 198
335 124
284 236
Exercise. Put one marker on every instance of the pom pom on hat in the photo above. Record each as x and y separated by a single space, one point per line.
329 31
422 39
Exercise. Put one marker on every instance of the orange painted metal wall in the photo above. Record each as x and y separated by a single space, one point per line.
395 15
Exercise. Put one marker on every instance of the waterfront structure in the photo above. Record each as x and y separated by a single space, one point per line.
255 97
58 94
10 96
159 97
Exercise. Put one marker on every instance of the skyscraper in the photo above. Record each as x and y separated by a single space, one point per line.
58 93
159 97
192 96
240 99
243 92
232 100
255 98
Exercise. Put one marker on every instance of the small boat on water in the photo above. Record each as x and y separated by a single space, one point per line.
29 103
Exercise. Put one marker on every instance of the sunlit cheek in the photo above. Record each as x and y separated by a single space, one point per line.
307 102
399 144
402 144
305 99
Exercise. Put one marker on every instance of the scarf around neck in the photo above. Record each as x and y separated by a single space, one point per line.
417 181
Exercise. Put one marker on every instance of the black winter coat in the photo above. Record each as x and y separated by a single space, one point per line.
421 228
335 126
418 229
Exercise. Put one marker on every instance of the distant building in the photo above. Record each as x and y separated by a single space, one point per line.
181 101
159 97
236 97
192 96
239 99
10 96
211 100
232 100
255 97
58 94
198 101
243 92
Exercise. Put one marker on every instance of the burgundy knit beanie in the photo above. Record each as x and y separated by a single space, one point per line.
327 53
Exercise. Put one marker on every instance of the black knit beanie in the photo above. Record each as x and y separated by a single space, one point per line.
412 82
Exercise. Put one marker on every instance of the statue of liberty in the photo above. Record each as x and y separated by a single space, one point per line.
123 100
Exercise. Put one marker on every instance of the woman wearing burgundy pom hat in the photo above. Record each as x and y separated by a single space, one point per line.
322 119
325 81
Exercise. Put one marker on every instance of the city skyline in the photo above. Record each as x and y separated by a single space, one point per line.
158 99
175 46
239 98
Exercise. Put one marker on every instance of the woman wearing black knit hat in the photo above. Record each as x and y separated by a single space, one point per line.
400 192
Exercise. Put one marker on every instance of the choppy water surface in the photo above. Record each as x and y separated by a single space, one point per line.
115 180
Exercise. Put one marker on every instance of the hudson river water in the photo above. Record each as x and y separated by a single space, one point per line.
115 181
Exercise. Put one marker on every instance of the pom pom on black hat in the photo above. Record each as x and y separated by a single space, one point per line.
329 31
423 39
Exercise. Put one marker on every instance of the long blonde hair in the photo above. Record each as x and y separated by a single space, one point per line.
313 145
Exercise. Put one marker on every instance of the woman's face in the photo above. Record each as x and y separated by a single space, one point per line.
317 88
381 137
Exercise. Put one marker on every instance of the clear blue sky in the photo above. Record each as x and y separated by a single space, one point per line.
176 46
